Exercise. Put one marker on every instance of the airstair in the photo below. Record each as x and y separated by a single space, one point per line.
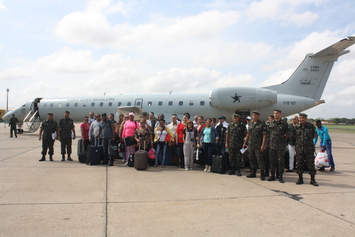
33 121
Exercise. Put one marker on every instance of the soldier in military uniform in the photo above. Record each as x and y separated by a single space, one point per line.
278 134
48 127
234 142
257 139
65 129
266 153
304 133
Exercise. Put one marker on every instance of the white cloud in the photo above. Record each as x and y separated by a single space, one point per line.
2 6
91 27
283 11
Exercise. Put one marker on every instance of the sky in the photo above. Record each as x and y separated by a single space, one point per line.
62 48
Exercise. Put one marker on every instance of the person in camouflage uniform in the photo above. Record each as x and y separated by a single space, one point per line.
234 142
304 133
65 129
278 134
266 153
48 127
256 136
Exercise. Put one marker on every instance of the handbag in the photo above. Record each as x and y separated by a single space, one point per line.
130 141
151 153
321 159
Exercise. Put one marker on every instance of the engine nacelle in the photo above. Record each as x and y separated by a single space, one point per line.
242 98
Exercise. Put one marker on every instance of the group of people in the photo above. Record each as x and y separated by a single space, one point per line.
181 141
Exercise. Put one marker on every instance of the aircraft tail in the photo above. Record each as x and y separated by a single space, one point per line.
312 74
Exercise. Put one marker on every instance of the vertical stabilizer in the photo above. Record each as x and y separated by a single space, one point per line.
312 74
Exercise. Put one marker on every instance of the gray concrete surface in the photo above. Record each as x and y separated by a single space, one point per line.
73 199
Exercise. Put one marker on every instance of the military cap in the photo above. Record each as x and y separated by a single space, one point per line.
104 115
271 115
278 110
50 113
236 115
303 114
221 117
256 112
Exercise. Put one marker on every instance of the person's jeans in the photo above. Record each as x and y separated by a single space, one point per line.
208 149
328 148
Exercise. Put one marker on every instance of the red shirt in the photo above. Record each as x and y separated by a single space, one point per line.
180 132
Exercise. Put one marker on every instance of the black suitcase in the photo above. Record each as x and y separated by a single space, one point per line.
141 159
114 149
131 160
80 146
219 163
82 157
95 152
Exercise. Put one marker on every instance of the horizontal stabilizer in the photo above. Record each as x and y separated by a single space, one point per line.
335 49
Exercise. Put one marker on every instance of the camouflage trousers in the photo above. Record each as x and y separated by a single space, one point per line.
277 160
65 144
256 158
235 158
305 157
47 144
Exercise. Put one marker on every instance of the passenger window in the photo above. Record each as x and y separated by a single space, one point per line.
181 103
92 104
110 104
170 103
202 103
129 103
160 103
67 104
119 104
45 105
101 104
76 105
191 103
51 105
84 104
138 103
150 103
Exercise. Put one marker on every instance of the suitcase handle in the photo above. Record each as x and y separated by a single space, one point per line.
139 145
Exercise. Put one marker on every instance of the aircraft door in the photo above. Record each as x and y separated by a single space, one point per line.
138 102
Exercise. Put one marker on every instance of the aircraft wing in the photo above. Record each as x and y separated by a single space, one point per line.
127 109
335 49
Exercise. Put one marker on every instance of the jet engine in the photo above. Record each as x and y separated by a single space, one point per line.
241 98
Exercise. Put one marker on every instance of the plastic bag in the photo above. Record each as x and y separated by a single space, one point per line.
321 159
151 153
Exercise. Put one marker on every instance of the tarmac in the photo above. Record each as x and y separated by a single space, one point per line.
73 199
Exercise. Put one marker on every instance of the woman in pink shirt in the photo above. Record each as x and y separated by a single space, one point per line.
85 127
128 132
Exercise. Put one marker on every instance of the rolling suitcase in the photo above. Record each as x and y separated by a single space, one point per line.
219 162
141 158
95 152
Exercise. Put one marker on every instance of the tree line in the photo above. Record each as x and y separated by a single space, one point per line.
335 120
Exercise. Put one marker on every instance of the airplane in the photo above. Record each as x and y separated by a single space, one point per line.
302 91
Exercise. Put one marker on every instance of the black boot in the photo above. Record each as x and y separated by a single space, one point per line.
252 174
238 172
272 176
63 158
281 179
266 173
232 171
300 179
43 158
262 177
111 161
313 181
51 157
69 158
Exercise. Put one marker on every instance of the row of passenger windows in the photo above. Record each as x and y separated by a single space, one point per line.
93 104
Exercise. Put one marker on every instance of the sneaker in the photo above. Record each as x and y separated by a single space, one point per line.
191 169
332 169
123 160
186 168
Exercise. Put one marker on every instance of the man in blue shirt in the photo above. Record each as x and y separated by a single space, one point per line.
325 143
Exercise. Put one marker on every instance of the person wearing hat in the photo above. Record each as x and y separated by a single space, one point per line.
257 140
46 130
107 134
66 133
221 128
234 142
304 133
278 134
128 133
266 153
